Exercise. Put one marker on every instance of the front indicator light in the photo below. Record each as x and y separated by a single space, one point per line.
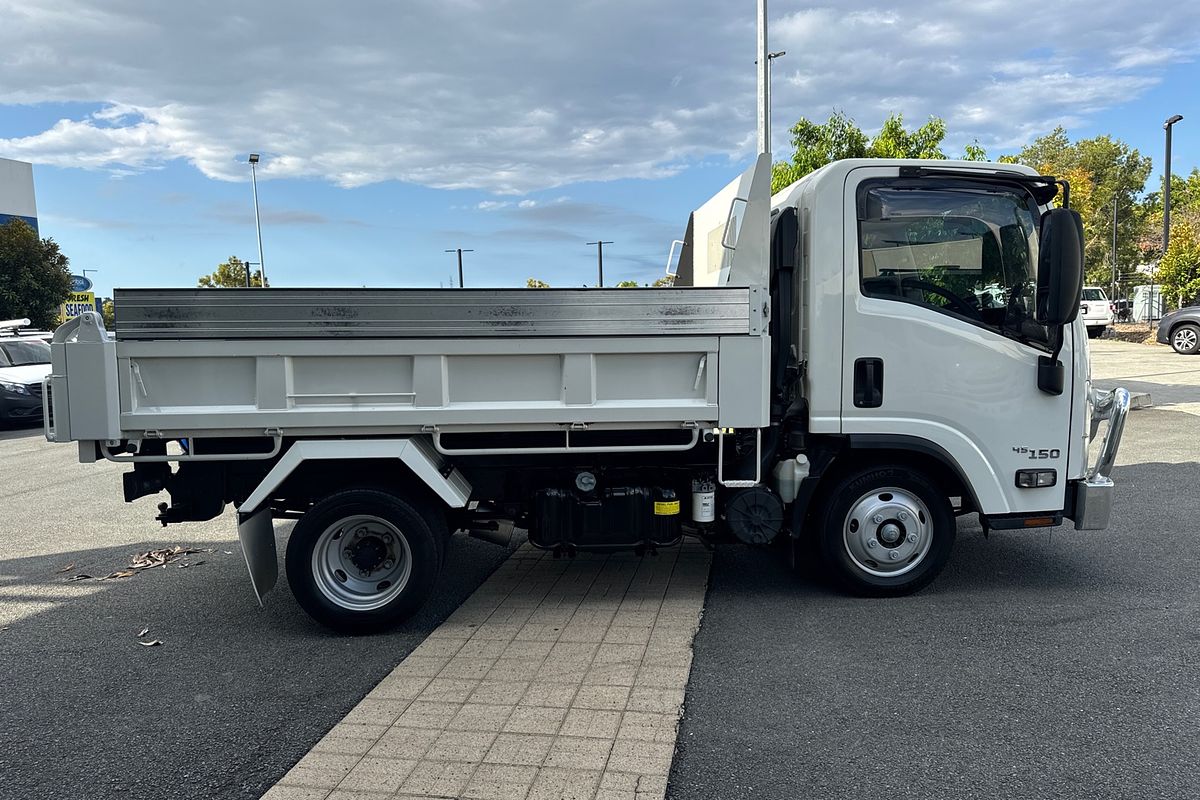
1036 478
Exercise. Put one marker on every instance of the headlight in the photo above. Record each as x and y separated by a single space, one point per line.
14 388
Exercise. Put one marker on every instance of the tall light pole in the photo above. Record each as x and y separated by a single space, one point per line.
1167 125
771 91
599 259
1113 296
262 269
460 251
764 113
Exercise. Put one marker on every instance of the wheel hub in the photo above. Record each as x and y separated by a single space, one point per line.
890 533
887 532
361 562
368 553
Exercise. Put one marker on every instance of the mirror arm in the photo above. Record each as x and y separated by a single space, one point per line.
1066 191
1051 377
1051 374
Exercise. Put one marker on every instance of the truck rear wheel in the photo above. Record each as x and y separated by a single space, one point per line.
885 531
364 560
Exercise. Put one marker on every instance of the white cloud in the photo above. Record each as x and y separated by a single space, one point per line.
511 97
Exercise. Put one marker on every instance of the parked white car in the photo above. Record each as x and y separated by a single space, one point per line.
1096 311
24 362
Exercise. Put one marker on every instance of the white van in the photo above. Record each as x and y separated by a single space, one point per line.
1096 311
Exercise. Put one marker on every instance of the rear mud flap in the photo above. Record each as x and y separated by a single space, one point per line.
257 536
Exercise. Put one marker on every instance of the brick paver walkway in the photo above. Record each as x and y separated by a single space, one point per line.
559 678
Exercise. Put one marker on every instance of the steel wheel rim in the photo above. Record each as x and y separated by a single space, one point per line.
361 562
887 532
1185 339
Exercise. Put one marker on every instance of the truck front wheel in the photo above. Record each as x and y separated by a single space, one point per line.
364 560
885 531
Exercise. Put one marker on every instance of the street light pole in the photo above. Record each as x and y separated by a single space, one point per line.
600 259
771 91
254 157
1113 297
1167 125
249 279
460 251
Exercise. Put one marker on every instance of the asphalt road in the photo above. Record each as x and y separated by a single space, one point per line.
1039 665
233 697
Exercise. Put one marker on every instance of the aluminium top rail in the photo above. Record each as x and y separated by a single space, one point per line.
146 314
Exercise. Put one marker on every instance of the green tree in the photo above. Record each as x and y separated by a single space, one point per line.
664 281
817 144
536 283
895 141
35 277
627 284
974 152
1101 170
109 311
1179 270
230 274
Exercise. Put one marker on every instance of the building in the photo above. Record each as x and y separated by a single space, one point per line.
16 192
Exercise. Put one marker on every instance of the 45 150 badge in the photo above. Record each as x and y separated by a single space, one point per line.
1036 453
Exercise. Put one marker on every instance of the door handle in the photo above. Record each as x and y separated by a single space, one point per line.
868 382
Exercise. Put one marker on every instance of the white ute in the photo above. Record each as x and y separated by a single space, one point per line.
824 370
1096 310
24 365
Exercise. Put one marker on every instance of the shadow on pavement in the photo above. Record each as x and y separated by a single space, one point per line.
232 698
1162 395
22 431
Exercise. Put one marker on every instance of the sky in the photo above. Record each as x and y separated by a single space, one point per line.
392 131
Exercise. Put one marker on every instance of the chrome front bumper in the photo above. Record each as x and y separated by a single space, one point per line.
1094 494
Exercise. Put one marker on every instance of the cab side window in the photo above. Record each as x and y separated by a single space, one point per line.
963 249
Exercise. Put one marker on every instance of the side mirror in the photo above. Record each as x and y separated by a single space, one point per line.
1060 267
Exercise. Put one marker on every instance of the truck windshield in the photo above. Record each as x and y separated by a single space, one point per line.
1094 295
20 354
958 248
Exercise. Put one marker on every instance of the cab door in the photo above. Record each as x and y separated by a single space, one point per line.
940 347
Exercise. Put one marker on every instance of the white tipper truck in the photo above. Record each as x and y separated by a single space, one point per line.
852 363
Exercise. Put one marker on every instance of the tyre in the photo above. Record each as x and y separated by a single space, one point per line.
885 531
364 560
1095 331
1185 339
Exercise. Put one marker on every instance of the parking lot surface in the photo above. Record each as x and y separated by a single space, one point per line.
229 701
1040 664
1171 380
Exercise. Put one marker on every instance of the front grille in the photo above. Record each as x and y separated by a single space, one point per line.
35 389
